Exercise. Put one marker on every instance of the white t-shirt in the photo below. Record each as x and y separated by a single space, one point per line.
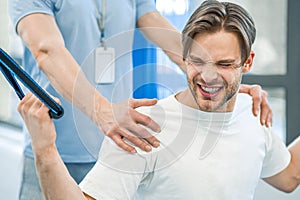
203 155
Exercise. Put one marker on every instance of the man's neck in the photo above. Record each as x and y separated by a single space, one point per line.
186 98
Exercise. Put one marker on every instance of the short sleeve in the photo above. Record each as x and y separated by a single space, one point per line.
143 7
116 175
277 155
21 8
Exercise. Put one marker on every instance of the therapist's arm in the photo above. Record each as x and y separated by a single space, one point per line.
158 30
55 180
42 36
162 33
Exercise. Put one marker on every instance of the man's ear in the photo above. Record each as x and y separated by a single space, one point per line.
248 64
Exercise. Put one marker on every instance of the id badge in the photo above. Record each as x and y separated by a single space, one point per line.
104 65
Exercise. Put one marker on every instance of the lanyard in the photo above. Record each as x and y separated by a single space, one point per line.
101 20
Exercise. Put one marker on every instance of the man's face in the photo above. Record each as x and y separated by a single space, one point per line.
214 71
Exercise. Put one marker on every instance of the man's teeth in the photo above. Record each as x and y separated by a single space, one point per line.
210 90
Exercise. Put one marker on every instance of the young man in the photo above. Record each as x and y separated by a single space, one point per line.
212 147
58 36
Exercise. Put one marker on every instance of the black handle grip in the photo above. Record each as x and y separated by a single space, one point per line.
10 68
57 115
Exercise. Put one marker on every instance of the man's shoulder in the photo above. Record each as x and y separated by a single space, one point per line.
243 104
162 105
243 100
242 113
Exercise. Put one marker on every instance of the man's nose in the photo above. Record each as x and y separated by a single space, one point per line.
209 72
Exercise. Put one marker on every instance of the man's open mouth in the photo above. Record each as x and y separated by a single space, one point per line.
209 91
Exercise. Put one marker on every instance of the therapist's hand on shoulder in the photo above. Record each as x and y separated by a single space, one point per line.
260 103
121 121
38 122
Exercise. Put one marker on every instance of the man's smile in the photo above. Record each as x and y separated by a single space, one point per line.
209 91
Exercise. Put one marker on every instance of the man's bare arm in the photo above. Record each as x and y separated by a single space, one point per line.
289 179
55 180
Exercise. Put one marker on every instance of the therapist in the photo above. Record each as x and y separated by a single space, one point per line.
61 40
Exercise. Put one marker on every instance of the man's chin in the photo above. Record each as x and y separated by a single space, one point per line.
211 106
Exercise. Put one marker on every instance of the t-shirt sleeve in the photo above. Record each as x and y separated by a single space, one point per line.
277 155
21 8
116 175
143 7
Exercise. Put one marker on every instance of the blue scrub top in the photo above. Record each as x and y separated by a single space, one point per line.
78 139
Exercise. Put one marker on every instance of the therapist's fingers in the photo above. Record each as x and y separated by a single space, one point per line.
121 121
269 119
260 103
255 92
141 118
135 103
142 134
117 135
122 136
140 131
266 118
118 139
266 115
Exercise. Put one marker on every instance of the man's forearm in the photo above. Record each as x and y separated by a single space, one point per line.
294 149
55 180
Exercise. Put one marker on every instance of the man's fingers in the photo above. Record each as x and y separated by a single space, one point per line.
57 100
135 103
26 104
